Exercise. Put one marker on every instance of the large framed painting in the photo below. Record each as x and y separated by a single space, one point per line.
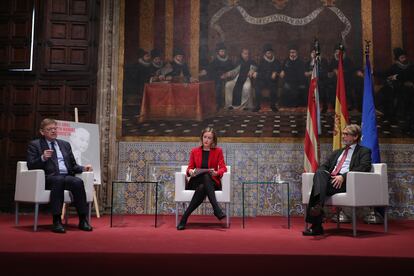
242 67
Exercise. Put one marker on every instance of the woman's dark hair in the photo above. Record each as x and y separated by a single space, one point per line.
209 129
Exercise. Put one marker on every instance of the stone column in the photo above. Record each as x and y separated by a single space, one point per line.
107 93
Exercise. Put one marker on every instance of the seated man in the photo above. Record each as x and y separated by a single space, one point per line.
239 90
216 71
293 73
156 65
330 178
55 157
267 77
180 71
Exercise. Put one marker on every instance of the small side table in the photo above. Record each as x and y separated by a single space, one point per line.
118 182
268 183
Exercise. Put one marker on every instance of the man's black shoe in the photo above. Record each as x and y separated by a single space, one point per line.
274 109
58 227
314 230
256 109
84 225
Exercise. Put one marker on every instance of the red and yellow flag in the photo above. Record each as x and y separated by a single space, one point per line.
341 110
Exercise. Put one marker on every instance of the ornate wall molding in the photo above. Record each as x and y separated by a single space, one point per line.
396 24
108 63
278 18
366 16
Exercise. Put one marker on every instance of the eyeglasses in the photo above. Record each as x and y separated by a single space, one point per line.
50 129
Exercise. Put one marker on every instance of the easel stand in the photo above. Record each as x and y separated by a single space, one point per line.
95 200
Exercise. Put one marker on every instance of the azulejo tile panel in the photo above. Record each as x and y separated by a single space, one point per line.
249 162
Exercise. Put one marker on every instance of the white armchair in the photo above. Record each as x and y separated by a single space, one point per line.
363 189
182 195
30 188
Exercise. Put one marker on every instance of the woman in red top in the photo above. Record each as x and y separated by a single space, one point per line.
205 169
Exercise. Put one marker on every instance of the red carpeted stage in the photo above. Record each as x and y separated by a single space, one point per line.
204 248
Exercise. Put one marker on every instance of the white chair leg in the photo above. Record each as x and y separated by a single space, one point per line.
36 216
17 213
354 221
385 220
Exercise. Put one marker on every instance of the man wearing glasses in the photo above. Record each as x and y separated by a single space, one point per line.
330 178
56 158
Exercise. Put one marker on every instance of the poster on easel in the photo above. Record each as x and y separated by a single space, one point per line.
84 140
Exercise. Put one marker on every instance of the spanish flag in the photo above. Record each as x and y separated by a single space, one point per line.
341 110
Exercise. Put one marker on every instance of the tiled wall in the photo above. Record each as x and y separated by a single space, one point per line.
249 162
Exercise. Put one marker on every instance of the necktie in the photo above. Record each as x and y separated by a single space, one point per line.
341 162
54 155
52 144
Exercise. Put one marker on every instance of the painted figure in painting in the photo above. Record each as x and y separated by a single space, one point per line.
267 77
179 68
239 89
216 71
293 73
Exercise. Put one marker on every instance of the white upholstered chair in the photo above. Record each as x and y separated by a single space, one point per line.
363 189
183 196
30 188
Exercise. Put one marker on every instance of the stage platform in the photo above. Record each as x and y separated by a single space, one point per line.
206 247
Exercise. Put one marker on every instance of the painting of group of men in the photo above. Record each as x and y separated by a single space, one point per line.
245 83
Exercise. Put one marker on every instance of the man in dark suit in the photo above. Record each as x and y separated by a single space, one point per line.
55 157
330 178
216 71
267 77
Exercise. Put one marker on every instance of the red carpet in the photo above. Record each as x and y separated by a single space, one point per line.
204 248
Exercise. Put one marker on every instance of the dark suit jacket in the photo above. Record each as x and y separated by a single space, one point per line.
215 161
51 167
360 161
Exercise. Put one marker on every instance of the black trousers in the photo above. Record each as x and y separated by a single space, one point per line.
57 184
204 186
322 188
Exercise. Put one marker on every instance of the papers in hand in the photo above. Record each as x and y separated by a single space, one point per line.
200 171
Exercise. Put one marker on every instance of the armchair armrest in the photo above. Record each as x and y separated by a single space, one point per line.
179 183
29 186
307 182
225 186
87 178
366 189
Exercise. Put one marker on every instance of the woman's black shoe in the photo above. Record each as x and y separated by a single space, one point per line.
220 215
181 226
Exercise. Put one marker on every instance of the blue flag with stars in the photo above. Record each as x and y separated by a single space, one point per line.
369 123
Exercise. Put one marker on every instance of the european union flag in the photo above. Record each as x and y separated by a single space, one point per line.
369 123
